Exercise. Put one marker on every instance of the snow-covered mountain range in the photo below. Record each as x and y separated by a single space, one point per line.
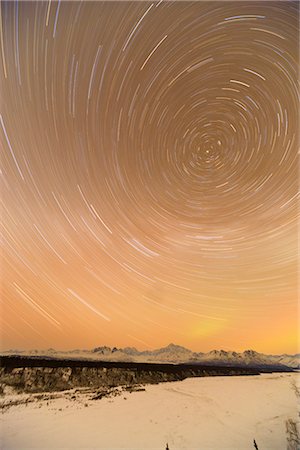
174 354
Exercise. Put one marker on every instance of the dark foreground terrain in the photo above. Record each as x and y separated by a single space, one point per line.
35 374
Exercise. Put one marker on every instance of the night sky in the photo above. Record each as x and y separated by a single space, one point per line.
149 174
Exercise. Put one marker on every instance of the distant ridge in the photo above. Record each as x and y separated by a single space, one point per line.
172 353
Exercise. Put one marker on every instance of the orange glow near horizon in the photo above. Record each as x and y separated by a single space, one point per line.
149 175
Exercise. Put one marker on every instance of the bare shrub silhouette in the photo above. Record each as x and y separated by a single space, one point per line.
292 428
295 388
293 437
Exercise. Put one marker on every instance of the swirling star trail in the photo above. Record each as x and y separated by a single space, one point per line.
149 174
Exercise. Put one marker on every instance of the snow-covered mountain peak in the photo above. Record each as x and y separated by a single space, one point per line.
251 354
172 353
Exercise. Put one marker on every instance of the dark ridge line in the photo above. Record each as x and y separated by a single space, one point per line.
13 361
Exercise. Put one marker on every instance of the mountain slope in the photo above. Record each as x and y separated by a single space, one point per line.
172 353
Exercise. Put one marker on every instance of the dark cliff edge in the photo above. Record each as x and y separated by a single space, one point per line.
35 374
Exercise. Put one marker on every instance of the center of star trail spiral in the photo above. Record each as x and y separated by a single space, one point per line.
149 174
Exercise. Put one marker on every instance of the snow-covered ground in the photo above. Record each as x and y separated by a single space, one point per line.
200 413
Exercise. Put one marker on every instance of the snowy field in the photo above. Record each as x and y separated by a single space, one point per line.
200 413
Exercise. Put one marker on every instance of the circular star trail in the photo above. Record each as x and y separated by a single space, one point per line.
149 174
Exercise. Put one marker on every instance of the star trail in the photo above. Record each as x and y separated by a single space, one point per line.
149 174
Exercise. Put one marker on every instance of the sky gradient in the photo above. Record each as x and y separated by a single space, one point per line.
149 174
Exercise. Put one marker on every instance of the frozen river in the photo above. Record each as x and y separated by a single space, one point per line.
199 413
